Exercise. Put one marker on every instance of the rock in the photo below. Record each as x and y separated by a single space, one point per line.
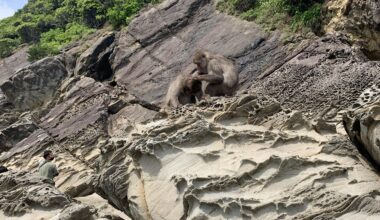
21 191
128 117
35 142
105 210
35 85
250 156
75 212
328 73
83 105
116 106
348 16
323 127
159 44
16 132
189 160
9 65
361 125
94 61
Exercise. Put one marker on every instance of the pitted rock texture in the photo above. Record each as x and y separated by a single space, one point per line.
232 169
362 124
359 19
20 192
328 76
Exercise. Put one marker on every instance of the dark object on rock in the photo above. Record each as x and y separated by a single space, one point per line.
94 62
3 169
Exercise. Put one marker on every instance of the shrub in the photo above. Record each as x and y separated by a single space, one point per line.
37 51
123 11
311 18
28 32
7 46
299 15
55 39
92 12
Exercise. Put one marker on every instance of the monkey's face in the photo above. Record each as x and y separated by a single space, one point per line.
202 66
200 60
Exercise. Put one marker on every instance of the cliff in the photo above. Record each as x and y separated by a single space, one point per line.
279 149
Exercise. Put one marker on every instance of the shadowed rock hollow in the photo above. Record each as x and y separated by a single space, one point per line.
277 150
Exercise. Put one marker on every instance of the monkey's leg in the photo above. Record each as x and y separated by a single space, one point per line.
211 78
175 102
199 96
214 90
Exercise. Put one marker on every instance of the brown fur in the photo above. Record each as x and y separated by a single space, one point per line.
183 90
218 72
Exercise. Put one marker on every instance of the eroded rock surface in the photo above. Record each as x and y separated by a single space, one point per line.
20 192
359 19
362 124
276 150
216 162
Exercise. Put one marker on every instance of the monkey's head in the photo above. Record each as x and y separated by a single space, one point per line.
200 59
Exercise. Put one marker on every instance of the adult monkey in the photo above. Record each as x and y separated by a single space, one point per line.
183 90
218 71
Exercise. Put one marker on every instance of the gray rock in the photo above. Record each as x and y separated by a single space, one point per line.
9 65
362 126
21 191
159 44
328 74
34 86
94 61
75 212
16 132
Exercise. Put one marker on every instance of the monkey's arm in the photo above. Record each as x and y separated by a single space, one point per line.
211 78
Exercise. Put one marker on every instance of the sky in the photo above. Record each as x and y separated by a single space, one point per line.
9 7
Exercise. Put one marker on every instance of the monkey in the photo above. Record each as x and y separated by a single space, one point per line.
183 90
218 72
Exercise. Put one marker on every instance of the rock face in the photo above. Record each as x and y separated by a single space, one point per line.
361 124
276 150
158 45
16 132
35 85
326 77
94 62
9 65
359 19
21 192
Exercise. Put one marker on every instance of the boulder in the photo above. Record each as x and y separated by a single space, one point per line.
75 212
35 85
363 127
16 132
20 192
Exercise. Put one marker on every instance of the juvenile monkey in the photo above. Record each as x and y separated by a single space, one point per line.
218 72
183 90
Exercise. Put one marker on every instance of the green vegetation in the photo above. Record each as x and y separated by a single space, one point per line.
49 25
297 15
